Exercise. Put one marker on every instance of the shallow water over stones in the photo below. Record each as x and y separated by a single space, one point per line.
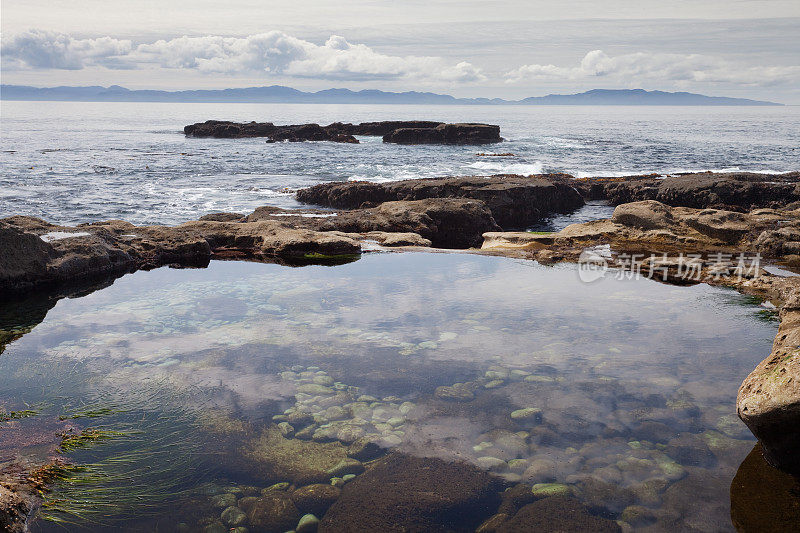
615 398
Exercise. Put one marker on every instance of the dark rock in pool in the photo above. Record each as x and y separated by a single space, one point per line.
763 498
446 134
274 512
395 131
691 450
557 514
514 201
315 499
725 190
406 493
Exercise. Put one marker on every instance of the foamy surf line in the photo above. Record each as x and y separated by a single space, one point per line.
508 168
668 172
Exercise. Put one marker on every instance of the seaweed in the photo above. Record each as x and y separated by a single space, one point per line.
5 416
139 460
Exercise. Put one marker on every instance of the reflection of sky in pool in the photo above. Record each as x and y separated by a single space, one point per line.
635 380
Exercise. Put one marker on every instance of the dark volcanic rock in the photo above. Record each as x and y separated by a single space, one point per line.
446 134
292 133
385 127
514 201
405 493
394 131
557 514
729 190
228 129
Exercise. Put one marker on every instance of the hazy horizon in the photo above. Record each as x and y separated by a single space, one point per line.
508 50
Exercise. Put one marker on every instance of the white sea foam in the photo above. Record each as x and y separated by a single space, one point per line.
499 167
60 235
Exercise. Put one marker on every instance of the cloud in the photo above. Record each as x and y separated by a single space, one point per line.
658 66
273 52
42 49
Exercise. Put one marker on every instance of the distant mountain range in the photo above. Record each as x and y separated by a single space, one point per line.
280 94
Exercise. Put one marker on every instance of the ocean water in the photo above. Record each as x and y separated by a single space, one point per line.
636 393
77 162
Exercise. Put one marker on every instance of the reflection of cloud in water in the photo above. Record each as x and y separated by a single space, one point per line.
619 369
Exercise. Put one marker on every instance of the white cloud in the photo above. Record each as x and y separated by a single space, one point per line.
44 49
658 66
273 52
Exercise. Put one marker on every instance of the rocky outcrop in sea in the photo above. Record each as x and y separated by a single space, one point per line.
396 131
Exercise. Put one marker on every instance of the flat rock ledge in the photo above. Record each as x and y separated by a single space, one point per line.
769 398
396 131
514 201
38 254
737 191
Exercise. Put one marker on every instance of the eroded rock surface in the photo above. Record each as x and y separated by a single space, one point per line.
514 201
726 190
37 253
769 398
446 134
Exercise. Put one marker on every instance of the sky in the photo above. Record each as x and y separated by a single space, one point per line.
510 49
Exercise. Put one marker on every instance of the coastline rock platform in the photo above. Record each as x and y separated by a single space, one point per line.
514 201
396 131
465 212
724 190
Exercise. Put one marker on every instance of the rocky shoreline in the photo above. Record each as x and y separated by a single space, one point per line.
395 131
698 221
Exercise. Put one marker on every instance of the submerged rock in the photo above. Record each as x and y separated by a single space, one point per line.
458 392
233 516
365 449
274 457
528 415
557 514
315 499
308 524
273 512
405 493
